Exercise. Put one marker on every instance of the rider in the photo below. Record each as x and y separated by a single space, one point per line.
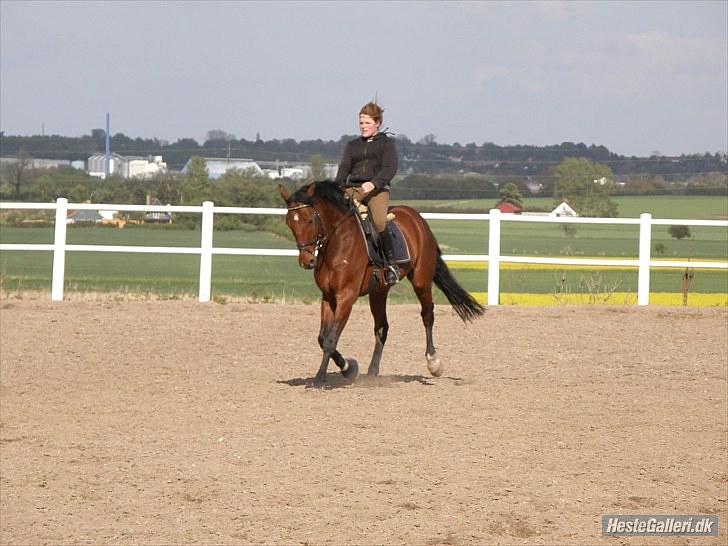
368 165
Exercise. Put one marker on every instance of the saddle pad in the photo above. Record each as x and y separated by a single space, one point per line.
399 245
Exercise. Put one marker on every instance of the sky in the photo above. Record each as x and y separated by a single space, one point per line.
637 77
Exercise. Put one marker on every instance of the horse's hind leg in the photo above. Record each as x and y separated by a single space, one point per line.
378 306
424 294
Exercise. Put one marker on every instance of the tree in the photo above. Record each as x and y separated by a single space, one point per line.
679 232
510 193
586 186
79 193
428 140
169 189
22 162
219 134
318 167
197 187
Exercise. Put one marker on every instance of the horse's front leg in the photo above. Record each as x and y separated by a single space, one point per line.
378 307
334 315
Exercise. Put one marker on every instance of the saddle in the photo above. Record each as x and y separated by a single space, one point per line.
371 237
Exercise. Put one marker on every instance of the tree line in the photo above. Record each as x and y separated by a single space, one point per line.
424 157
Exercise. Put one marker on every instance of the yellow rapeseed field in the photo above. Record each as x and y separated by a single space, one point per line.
668 299
483 266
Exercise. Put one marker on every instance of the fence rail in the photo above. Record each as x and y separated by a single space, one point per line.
206 250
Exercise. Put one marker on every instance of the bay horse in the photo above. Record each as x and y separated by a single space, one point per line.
331 242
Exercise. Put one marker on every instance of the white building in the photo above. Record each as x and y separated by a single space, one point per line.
138 167
96 165
216 167
563 210
37 163
126 166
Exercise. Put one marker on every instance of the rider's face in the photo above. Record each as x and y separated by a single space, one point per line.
367 126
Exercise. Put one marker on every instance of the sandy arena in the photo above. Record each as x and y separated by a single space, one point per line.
177 422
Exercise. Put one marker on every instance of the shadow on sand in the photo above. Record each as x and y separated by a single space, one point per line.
337 381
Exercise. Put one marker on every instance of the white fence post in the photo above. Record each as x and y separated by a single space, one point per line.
643 279
206 250
494 244
59 250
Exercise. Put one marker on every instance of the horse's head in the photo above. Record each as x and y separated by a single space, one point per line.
305 223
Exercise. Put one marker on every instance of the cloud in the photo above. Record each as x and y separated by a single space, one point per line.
557 10
670 54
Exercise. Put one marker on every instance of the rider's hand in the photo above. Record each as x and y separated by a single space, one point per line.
366 187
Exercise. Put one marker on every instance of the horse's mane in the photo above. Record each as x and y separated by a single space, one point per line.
326 191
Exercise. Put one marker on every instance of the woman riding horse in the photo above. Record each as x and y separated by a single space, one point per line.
367 167
331 242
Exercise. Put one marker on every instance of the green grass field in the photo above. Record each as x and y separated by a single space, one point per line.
280 278
662 206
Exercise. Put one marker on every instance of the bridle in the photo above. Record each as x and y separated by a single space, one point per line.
315 246
320 239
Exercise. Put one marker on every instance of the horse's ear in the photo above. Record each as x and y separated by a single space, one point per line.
284 192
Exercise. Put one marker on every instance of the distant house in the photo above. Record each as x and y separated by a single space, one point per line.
84 217
157 217
508 208
563 210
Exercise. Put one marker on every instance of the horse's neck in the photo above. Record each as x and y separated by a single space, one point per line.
341 231
332 218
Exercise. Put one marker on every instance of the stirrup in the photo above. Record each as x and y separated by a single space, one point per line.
391 274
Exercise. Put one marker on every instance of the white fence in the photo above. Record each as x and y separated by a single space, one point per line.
643 262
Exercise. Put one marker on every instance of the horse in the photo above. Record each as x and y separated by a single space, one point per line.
329 238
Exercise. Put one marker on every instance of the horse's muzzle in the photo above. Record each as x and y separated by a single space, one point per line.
307 260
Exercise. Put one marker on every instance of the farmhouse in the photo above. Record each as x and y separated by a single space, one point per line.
563 210
156 217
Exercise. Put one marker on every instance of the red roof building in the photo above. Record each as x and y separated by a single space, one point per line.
508 208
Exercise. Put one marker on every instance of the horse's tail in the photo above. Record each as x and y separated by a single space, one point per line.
464 304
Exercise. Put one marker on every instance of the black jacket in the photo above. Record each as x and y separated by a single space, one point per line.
372 159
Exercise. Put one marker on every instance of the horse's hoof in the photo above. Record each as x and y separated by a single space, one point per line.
319 382
434 365
351 370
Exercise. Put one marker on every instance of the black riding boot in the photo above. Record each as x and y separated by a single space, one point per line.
391 271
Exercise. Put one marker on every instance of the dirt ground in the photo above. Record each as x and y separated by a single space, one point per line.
177 422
